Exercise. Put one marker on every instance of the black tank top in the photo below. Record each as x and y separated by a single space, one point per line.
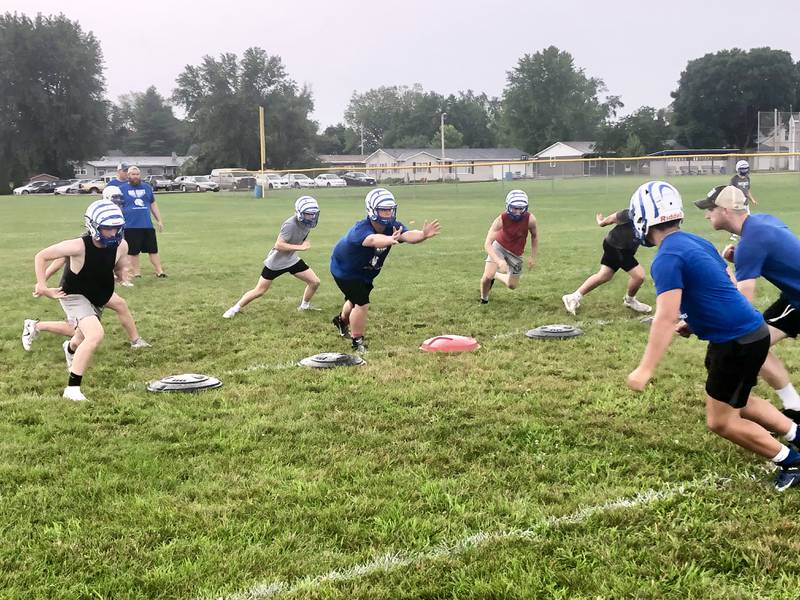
96 279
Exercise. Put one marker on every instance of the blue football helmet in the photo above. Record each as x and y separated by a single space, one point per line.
380 198
103 214
652 203
516 199
743 168
306 204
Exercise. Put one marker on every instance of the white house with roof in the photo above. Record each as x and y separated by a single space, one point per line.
461 164
149 165
563 168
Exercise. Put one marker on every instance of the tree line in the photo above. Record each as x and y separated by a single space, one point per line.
53 108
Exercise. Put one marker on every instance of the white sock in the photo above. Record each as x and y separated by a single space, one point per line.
789 397
577 295
792 433
782 455
629 297
236 307
304 304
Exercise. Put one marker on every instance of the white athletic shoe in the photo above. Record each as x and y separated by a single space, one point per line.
571 303
68 356
309 307
139 343
73 392
634 304
29 333
126 284
230 313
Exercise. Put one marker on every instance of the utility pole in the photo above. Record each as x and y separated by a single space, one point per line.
362 139
441 133
262 138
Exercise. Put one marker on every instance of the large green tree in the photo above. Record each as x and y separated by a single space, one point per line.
221 97
155 129
52 110
547 99
719 95
644 131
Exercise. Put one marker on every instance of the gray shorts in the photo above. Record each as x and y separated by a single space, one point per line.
514 261
78 307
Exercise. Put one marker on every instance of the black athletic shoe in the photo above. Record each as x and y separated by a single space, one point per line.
787 477
794 415
161 276
483 301
341 326
359 346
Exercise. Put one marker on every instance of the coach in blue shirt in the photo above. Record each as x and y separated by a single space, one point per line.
138 202
691 278
768 249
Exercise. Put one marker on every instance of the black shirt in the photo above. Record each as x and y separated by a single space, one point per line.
96 279
623 237
743 183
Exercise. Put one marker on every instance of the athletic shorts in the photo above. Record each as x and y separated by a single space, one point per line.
297 267
782 315
616 259
78 307
354 290
514 262
141 240
733 367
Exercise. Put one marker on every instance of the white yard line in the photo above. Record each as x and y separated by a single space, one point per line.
393 561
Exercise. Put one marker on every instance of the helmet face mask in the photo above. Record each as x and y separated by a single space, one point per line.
381 199
743 168
101 215
653 203
113 194
304 206
516 199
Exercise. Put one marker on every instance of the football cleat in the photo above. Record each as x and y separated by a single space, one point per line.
73 392
29 333
341 326
634 304
68 356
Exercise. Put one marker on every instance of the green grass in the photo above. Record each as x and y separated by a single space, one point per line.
287 473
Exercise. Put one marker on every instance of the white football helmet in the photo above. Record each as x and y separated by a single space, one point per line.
653 203
306 204
104 214
113 194
383 199
516 199
743 168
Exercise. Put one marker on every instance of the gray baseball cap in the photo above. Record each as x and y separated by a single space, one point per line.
725 196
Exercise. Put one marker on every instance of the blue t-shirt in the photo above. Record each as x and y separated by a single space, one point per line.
715 310
116 182
136 201
350 260
769 249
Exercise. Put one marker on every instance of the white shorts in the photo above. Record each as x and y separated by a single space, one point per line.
514 262
78 307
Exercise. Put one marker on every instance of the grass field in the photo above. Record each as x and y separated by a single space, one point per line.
523 470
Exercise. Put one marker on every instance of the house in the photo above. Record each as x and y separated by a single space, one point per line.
693 161
149 165
43 177
342 161
458 164
555 160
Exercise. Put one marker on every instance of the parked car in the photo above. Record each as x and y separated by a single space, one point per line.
275 181
233 179
299 180
50 186
161 182
93 186
69 188
329 180
28 188
357 178
196 183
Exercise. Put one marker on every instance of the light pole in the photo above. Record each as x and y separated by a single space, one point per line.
441 133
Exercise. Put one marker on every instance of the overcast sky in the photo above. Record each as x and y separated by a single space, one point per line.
638 48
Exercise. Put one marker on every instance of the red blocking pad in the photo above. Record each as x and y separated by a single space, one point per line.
450 343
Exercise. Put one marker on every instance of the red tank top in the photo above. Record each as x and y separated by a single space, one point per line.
514 234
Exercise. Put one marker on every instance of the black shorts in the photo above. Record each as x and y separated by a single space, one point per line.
615 259
141 240
354 290
733 368
297 267
782 315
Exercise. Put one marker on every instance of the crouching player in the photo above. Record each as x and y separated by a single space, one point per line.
691 279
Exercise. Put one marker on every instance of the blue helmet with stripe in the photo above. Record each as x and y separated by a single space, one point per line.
103 214
516 199
743 168
653 203
383 199
306 204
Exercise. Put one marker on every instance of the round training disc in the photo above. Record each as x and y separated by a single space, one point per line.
450 343
188 382
328 360
557 332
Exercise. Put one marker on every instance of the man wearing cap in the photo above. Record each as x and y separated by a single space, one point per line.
767 248
138 201
122 176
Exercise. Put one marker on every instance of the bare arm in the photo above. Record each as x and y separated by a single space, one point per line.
491 236
748 288
668 304
534 229
121 265
61 250
282 245
415 236
157 215
605 222
379 240
53 267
